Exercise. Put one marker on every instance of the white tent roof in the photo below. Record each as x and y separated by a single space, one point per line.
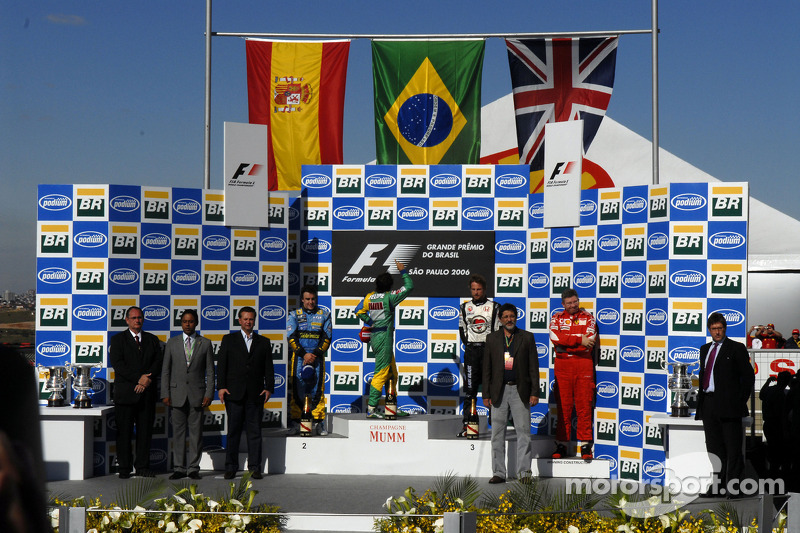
626 156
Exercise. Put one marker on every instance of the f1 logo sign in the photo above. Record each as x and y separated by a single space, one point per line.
402 252
568 168
242 170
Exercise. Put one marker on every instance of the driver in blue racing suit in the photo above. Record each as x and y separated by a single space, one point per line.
309 331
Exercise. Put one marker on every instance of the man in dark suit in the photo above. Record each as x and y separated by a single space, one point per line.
136 357
187 387
726 382
245 381
511 381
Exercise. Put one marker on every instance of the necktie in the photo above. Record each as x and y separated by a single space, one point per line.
138 342
709 367
188 349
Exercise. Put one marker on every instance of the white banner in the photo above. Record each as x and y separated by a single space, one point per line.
246 176
563 166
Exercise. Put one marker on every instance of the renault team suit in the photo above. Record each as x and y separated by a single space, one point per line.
377 311
309 332
574 370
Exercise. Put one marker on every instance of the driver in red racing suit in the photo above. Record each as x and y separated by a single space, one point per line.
573 333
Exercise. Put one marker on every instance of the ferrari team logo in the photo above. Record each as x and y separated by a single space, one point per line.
289 93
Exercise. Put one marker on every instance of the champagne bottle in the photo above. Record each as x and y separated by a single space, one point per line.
391 403
305 419
473 425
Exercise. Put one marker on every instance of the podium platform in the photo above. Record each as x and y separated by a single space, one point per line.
418 445
67 435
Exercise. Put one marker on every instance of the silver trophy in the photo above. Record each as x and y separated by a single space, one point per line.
680 382
82 384
56 384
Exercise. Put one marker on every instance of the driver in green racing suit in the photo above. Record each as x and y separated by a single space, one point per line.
377 311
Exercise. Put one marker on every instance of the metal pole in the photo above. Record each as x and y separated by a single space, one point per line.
207 133
654 39
433 36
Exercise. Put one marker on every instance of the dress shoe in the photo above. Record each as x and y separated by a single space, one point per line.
560 453
194 475
256 475
320 429
124 475
497 479
178 475
463 433
230 474
586 452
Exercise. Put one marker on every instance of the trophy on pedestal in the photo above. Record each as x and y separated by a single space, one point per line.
56 384
82 384
680 382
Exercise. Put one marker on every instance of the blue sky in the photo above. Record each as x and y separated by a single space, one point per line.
112 92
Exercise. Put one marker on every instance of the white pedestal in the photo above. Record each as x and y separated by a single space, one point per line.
67 436
688 465
423 445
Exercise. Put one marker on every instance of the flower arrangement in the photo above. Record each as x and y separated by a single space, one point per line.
185 511
528 507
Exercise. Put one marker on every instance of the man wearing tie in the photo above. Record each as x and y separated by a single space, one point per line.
726 382
245 381
136 357
187 387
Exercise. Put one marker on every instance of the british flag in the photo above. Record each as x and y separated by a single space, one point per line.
556 80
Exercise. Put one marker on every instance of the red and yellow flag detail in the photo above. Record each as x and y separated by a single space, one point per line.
297 90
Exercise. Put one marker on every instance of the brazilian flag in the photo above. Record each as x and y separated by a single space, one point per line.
427 101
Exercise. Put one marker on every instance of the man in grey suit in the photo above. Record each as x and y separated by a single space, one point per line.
187 387
511 381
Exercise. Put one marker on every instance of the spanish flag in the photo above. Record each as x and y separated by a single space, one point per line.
297 89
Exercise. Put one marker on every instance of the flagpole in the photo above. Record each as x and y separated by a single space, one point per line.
207 125
654 38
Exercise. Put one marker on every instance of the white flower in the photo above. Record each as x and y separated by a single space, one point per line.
179 499
230 529
236 520
526 530
171 528
169 507
236 503
212 504
138 510
106 520
189 508
622 502
160 524
438 526
664 521
114 515
388 503
54 517
195 524
246 519
460 502
93 530
626 528
571 529
401 499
